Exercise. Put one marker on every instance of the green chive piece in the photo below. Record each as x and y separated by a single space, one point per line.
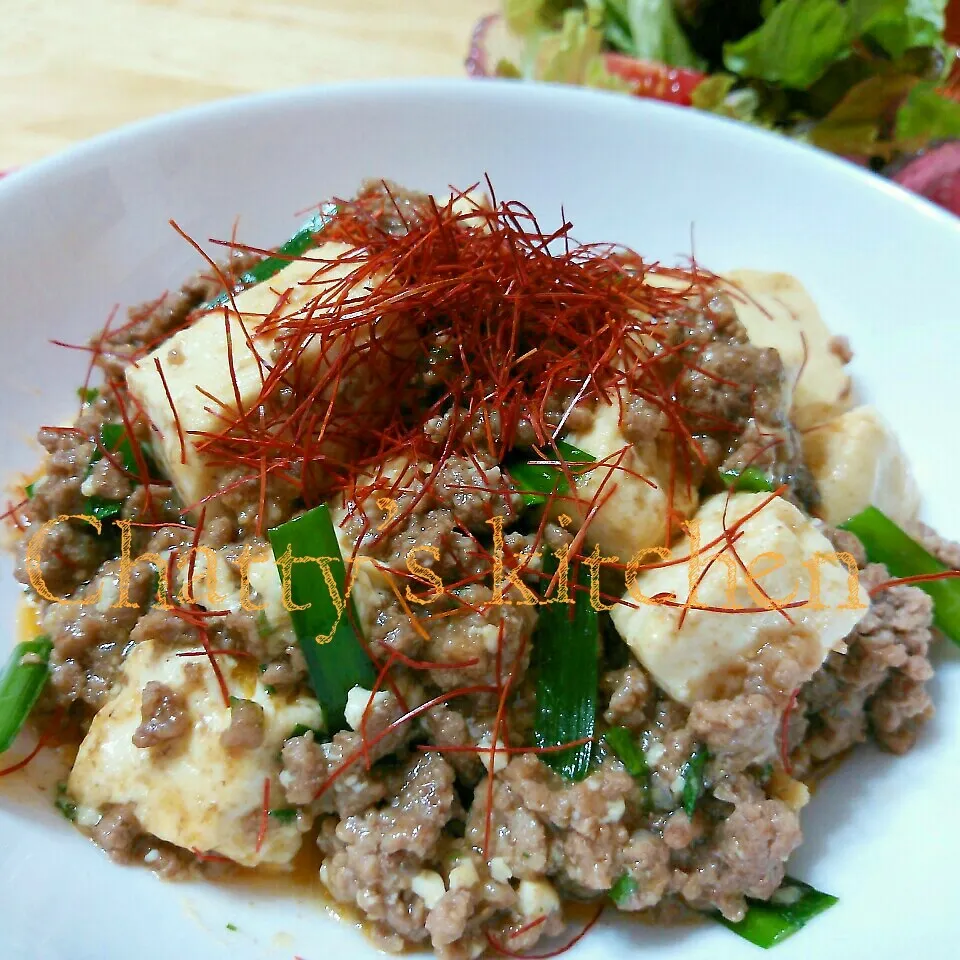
232 927
537 481
752 480
621 741
302 241
87 394
21 684
623 889
770 922
886 543
284 814
566 649
29 489
67 807
113 437
340 662
692 773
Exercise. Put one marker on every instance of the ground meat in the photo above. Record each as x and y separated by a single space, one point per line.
152 322
748 853
737 396
107 482
845 542
629 690
879 684
163 716
246 728
450 727
545 824
117 832
371 859
67 555
475 490
738 732
308 764
165 627
90 641
945 550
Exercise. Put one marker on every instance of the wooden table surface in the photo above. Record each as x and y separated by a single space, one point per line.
70 69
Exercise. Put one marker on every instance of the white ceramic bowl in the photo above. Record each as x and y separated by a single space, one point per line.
88 230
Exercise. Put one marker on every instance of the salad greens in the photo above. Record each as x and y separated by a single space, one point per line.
863 78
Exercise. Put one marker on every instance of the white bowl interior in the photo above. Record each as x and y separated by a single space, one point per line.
88 230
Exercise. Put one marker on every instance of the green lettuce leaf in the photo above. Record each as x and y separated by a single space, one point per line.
716 94
657 35
857 124
926 115
616 25
525 16
796 44
566 55
899 25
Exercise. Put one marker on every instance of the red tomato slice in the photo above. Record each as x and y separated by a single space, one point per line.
655 80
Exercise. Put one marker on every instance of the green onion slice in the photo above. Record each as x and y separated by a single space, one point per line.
302 241
21 684
692 774
538 481
886 543
751 480
113 437
769 922
340 662
284 814
566 650
623 889
622 742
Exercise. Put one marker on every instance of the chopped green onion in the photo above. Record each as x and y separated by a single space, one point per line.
284 814
232 927
886 543
770 922
113 437
104 509
21 684
87 394
339 663
303 240
752 480
622 742
623 889
64 804
29 489
537 481
692 774
566 649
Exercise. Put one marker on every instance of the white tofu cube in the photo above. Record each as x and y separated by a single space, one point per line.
779 313
193 792
196 364
857 463
792 562
634 515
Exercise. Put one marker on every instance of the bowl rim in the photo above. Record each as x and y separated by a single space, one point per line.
36 174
